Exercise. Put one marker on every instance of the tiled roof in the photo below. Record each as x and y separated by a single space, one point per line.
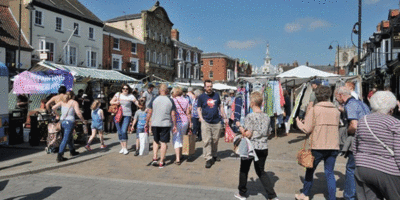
73 7
125 17
4 2
9 30
117 31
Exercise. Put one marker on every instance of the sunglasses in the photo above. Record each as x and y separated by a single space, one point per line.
125 88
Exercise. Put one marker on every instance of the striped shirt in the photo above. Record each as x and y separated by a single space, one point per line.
369 152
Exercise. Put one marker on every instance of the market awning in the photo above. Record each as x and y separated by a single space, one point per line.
99 74
42 82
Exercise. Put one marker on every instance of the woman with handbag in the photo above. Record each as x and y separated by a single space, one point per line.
69 107
123 100
182 122
322 126
376 150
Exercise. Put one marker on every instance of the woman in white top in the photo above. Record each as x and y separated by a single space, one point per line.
124 99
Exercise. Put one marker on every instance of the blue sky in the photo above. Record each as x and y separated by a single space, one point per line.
299 30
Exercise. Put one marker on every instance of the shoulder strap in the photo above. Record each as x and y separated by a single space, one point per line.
180 107
380 141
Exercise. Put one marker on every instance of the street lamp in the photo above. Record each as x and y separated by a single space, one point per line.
330 48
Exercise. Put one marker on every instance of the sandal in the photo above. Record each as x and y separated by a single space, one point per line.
177 162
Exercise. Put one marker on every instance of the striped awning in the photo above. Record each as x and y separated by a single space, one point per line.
82 72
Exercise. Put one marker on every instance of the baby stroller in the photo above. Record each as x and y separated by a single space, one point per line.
54 137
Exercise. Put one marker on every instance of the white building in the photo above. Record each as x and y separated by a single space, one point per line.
65 30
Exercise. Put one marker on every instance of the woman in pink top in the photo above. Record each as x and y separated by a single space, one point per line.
182 120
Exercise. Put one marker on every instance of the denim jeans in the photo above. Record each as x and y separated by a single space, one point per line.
329 157
196 127
122 128
259 166
68 127
349 192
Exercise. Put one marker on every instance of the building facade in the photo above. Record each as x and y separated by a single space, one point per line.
186 60
9 34
152 27
219 67
123 52
68 33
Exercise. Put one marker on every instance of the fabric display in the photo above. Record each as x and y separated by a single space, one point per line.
297 103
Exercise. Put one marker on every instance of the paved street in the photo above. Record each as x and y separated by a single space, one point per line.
105 174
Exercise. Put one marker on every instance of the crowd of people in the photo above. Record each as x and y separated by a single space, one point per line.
338 123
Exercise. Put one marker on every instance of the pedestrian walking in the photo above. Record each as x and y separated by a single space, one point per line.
322 127
124 98
182 122
162 112
256 128
140 119
97 124
56 99
148 94
196 124
209 109
69 107
376 150
354 110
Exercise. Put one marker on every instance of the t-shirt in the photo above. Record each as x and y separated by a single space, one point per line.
258 124
209 105
355 109
162 107
148 96
140 116
126 101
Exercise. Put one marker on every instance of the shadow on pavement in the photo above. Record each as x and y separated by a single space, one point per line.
3 184
46 192
320 185
7 153
257 187
197 154
16 165
298 139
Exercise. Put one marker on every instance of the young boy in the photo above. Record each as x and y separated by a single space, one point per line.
140 118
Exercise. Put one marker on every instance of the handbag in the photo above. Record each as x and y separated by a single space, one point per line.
114 107
305 157
229 135
118 115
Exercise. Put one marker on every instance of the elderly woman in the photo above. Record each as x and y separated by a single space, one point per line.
196 125
182 120
322 125
378 167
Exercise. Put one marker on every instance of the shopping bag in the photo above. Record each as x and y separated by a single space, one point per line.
189 145
144 144
229 135
118 116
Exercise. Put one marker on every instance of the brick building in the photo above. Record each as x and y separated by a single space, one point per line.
186 60
153 27
219 67
123 52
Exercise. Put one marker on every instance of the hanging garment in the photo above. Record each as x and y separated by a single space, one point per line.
282 98
306 98
277 100
269 100
297 103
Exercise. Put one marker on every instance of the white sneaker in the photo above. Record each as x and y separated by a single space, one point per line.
126 151
122 151
237 195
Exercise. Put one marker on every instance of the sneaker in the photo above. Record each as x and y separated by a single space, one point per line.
161 165
216 159
122 151
136 153
209 163
154 162
103 146
87 147
126 151
238 196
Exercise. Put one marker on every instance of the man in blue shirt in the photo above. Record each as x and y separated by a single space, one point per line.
353 110
209 106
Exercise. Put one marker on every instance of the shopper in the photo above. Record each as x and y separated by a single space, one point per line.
322 126
209 109
354 110
182 122
97 124
148 94
56 99
162 112
124 99
257 128
377 169
69 107
140 119
196 125
352 86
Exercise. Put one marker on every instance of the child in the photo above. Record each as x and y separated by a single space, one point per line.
97 124
140 118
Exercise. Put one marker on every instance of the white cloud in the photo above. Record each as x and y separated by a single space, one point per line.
235 44
308 23
371 1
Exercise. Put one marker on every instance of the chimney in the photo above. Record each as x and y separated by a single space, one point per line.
175 34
